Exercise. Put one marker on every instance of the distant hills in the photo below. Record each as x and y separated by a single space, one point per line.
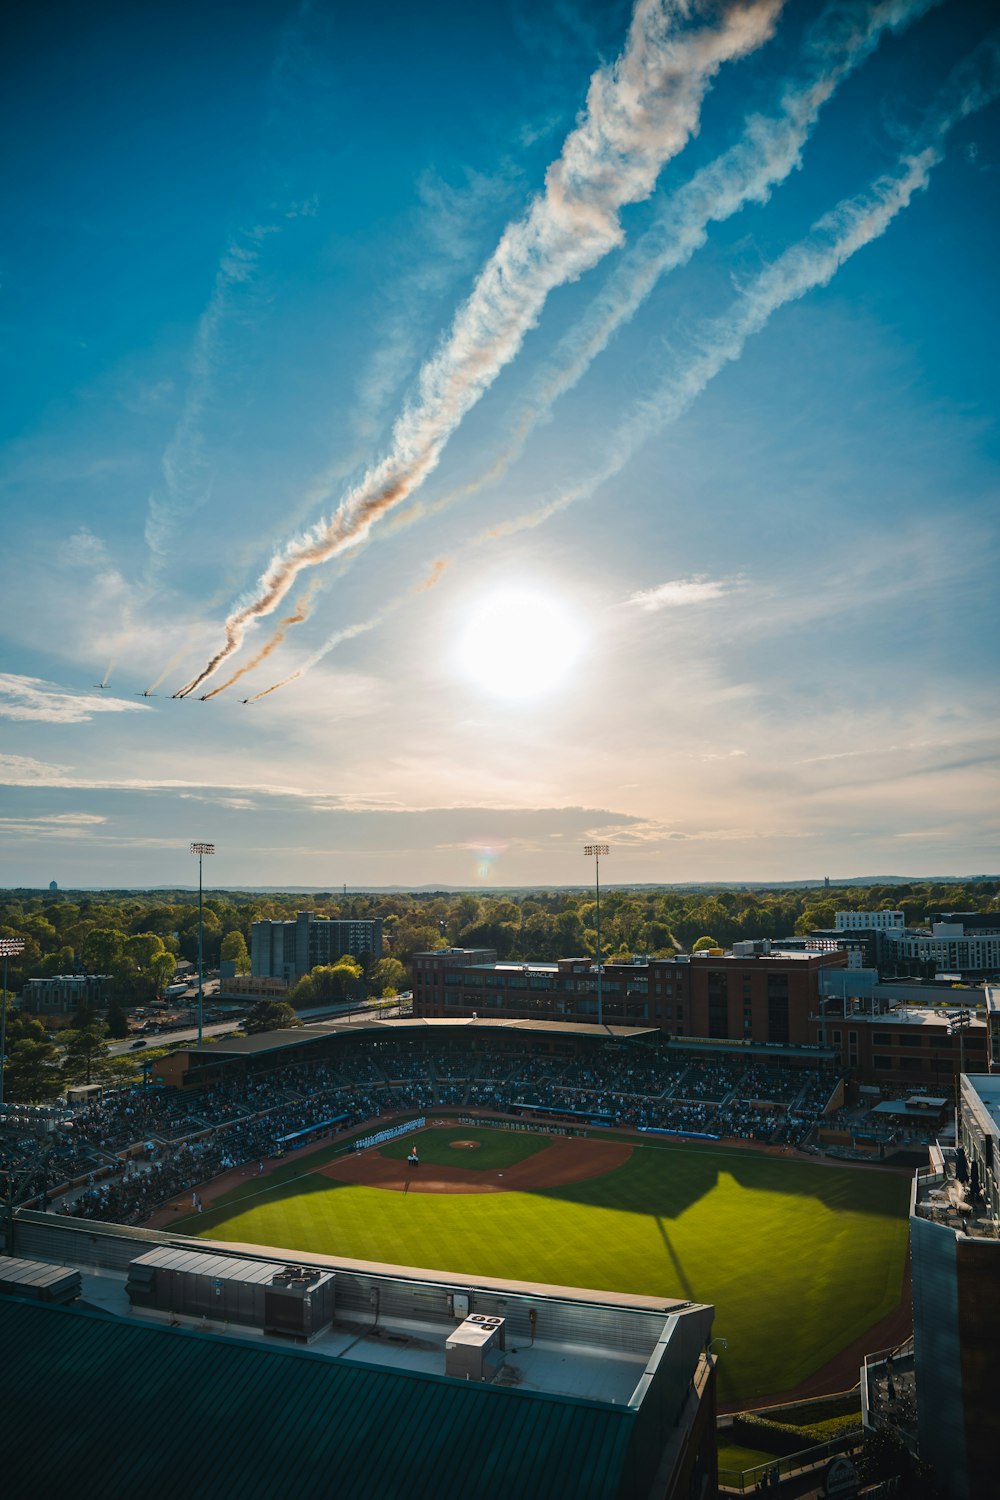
835 882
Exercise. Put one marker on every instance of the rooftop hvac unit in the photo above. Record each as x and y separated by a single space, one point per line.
296 1301
475 1350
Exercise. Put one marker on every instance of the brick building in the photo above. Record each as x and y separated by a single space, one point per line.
760 997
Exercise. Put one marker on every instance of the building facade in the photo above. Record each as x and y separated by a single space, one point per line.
289 950
761 997
955 1253
955 946
868 921
58 997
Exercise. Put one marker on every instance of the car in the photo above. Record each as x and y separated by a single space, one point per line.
140 1043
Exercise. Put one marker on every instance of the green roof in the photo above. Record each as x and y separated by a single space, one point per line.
100 1407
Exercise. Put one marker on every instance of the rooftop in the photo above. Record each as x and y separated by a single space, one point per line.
556 1367
985 1087
588 1391
942 1198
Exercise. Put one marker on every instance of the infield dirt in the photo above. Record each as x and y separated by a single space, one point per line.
564 1160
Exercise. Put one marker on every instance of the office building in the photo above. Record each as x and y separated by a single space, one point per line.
289 950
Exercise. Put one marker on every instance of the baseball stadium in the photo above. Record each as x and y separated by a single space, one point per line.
578 1159
515 1162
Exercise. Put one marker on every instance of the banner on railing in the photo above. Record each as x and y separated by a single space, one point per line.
382 1136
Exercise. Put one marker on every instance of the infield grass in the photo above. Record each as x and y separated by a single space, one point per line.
799 1259
495 1149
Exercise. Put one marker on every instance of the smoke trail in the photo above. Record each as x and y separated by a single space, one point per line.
349 632
298 614
837 43
811 263
172 663
641 111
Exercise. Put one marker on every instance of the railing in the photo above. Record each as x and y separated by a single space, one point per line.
748 1481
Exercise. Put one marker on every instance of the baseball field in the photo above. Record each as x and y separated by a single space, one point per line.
799 1258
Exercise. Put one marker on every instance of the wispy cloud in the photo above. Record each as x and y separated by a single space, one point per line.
34 698
53 825
641 111
677 593
811 263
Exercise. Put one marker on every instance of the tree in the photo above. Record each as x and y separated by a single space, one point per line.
386 974
161 971
118 1071
83 1049
270 1015
31 1075
234 947
703 943
117 1022
102 949
330 984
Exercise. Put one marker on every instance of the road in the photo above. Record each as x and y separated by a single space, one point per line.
166 1038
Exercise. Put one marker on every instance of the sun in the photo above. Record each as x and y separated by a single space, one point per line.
519 643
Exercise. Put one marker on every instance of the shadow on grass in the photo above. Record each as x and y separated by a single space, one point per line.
665 1181
677 1263
660 1181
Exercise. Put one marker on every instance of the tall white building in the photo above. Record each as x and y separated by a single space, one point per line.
868 921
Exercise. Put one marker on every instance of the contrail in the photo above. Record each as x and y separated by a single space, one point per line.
770 149
641 111
811 263
172 663
350 631
299 613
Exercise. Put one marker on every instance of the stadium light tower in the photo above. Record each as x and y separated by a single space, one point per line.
959 1022
10 948
594 851
200 850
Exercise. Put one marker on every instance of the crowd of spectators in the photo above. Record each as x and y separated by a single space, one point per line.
138 1147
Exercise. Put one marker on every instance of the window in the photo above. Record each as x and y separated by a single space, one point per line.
777 1018
881 1061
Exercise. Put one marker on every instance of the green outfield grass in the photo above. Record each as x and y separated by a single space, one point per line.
798 1258
497 1149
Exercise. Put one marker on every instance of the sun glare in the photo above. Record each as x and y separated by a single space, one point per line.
519 643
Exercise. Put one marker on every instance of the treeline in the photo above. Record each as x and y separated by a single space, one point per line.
137 937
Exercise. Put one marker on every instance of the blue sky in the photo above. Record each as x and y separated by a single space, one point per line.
583 415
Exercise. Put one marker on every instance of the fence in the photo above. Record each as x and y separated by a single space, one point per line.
750 1481
530 1127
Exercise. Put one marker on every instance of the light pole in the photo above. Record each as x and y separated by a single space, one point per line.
959 1021
10 948
200 850
594 851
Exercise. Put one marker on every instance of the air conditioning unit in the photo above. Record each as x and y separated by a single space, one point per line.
474 1351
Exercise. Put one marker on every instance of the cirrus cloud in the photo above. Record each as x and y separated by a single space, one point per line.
34 698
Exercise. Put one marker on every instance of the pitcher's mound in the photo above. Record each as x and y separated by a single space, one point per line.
465 1145
563 1161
